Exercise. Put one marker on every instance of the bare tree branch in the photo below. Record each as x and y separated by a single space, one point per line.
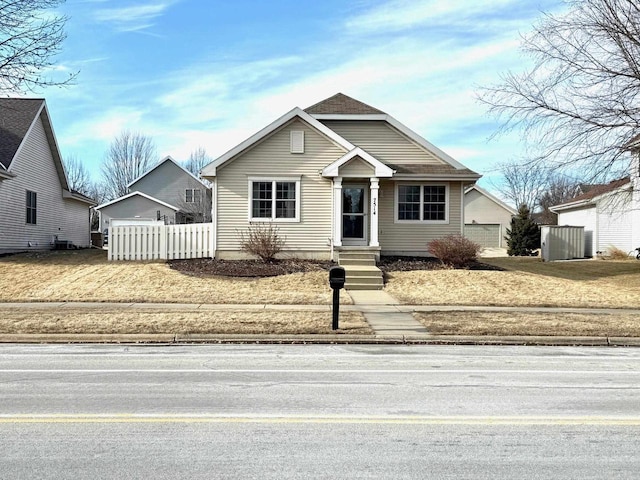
579 102
29 39
77 175
129 156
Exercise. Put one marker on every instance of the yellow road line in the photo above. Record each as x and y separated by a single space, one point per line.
390 420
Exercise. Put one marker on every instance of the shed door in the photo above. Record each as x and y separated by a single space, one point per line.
485 234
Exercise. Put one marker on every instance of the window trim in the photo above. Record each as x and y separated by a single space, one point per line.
273 218
421 221
31 210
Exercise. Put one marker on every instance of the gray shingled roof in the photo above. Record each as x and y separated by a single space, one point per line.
16 116
342 104
430 169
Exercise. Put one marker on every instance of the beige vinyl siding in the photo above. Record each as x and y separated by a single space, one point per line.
382 141
272 158
480 209
135 206
168 183
357 168
35 171
412 238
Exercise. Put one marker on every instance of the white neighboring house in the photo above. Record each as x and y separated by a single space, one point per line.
607 214
167 193
486 218
37 206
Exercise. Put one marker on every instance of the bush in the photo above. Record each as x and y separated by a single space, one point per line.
615 253
524 235
262 240
455 250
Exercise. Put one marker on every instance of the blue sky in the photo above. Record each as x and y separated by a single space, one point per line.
198 73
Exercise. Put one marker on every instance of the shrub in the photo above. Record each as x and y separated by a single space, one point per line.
454 250
262 240
524 235
615 253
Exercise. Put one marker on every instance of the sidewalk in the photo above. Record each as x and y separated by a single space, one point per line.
392 323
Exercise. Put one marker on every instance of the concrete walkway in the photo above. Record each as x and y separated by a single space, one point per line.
378 308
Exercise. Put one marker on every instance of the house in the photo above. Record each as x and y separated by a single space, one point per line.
486 218
39 210
167 193
339 178
607 214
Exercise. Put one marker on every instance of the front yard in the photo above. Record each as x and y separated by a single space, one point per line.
86 276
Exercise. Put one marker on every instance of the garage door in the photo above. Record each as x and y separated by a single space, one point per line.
484 234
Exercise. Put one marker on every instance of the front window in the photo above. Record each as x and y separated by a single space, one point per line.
31 207
422 203
274 200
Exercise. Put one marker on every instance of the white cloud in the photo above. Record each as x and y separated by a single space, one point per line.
134 17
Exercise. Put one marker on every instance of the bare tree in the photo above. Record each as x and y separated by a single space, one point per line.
522 184
197 159
129 156
77 175
560 189
198 210
29 39
578 104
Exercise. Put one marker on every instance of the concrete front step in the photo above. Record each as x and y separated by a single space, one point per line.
363 277
357 261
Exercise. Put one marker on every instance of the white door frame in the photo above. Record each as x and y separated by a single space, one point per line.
347 241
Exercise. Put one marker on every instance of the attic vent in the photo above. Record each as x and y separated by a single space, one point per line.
297 141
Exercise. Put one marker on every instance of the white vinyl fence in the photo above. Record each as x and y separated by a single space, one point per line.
160 242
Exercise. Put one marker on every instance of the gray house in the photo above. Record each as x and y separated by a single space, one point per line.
38 208
167 193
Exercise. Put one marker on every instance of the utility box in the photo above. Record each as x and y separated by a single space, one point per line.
561 242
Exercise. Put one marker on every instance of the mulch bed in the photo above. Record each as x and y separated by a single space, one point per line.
247 268
405 264
256 268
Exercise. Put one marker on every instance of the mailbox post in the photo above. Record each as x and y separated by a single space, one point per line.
337 276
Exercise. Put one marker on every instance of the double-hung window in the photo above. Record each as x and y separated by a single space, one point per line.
32 208
192 195
274 199
422 203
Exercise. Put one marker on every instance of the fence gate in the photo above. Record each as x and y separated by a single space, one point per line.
160 242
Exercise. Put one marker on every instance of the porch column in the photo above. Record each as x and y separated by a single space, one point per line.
337 212
375 207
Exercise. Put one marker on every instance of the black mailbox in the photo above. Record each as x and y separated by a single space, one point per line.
337 277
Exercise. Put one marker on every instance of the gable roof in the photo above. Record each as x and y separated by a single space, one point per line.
343 105
210 169
16 117
168 158
381 170
141 194
593 194
496 200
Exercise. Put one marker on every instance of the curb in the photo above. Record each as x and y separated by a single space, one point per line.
170 339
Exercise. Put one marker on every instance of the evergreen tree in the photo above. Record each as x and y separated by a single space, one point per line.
524 235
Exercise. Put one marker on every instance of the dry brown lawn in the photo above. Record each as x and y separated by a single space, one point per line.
189 321
526 282
87 276
498 323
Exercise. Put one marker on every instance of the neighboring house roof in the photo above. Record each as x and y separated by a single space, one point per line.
494 199
141 194
17 118
342 104
342 107
168 158
594 193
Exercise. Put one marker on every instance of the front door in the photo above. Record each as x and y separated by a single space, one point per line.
354 215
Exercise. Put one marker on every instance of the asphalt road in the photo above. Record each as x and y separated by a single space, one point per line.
319 411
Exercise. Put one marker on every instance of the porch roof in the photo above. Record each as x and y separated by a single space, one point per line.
380 169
